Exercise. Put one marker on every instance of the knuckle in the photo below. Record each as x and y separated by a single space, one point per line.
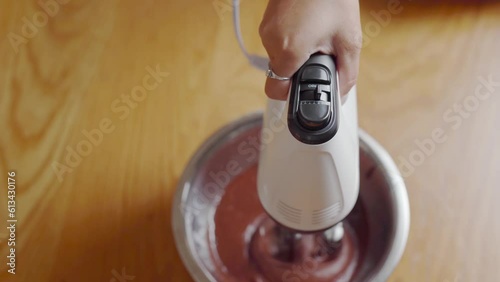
352 43
287 57
268 30
350 83
263 29
289 51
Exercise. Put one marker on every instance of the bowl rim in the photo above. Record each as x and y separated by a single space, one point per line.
230 131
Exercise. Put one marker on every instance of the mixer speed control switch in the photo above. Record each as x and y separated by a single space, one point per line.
314 101
314 115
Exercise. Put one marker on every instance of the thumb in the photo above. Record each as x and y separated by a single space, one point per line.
347 49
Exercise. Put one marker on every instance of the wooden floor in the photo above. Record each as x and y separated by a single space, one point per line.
98 208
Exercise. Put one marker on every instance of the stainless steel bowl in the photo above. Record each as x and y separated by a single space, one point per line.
198 193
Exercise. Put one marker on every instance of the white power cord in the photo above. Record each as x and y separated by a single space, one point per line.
259 62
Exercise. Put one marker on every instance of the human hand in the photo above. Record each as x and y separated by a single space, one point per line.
293 30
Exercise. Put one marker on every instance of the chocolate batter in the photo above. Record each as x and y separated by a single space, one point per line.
245 244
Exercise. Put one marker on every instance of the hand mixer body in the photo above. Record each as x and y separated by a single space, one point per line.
308 175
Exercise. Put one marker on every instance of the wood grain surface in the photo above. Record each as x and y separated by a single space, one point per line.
149 80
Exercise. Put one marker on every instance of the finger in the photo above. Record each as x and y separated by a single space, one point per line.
277 90
348 49
284 65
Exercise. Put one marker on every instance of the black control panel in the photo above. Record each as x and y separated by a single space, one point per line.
313 107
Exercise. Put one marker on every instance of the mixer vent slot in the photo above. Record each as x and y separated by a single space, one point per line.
326 213
289 213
